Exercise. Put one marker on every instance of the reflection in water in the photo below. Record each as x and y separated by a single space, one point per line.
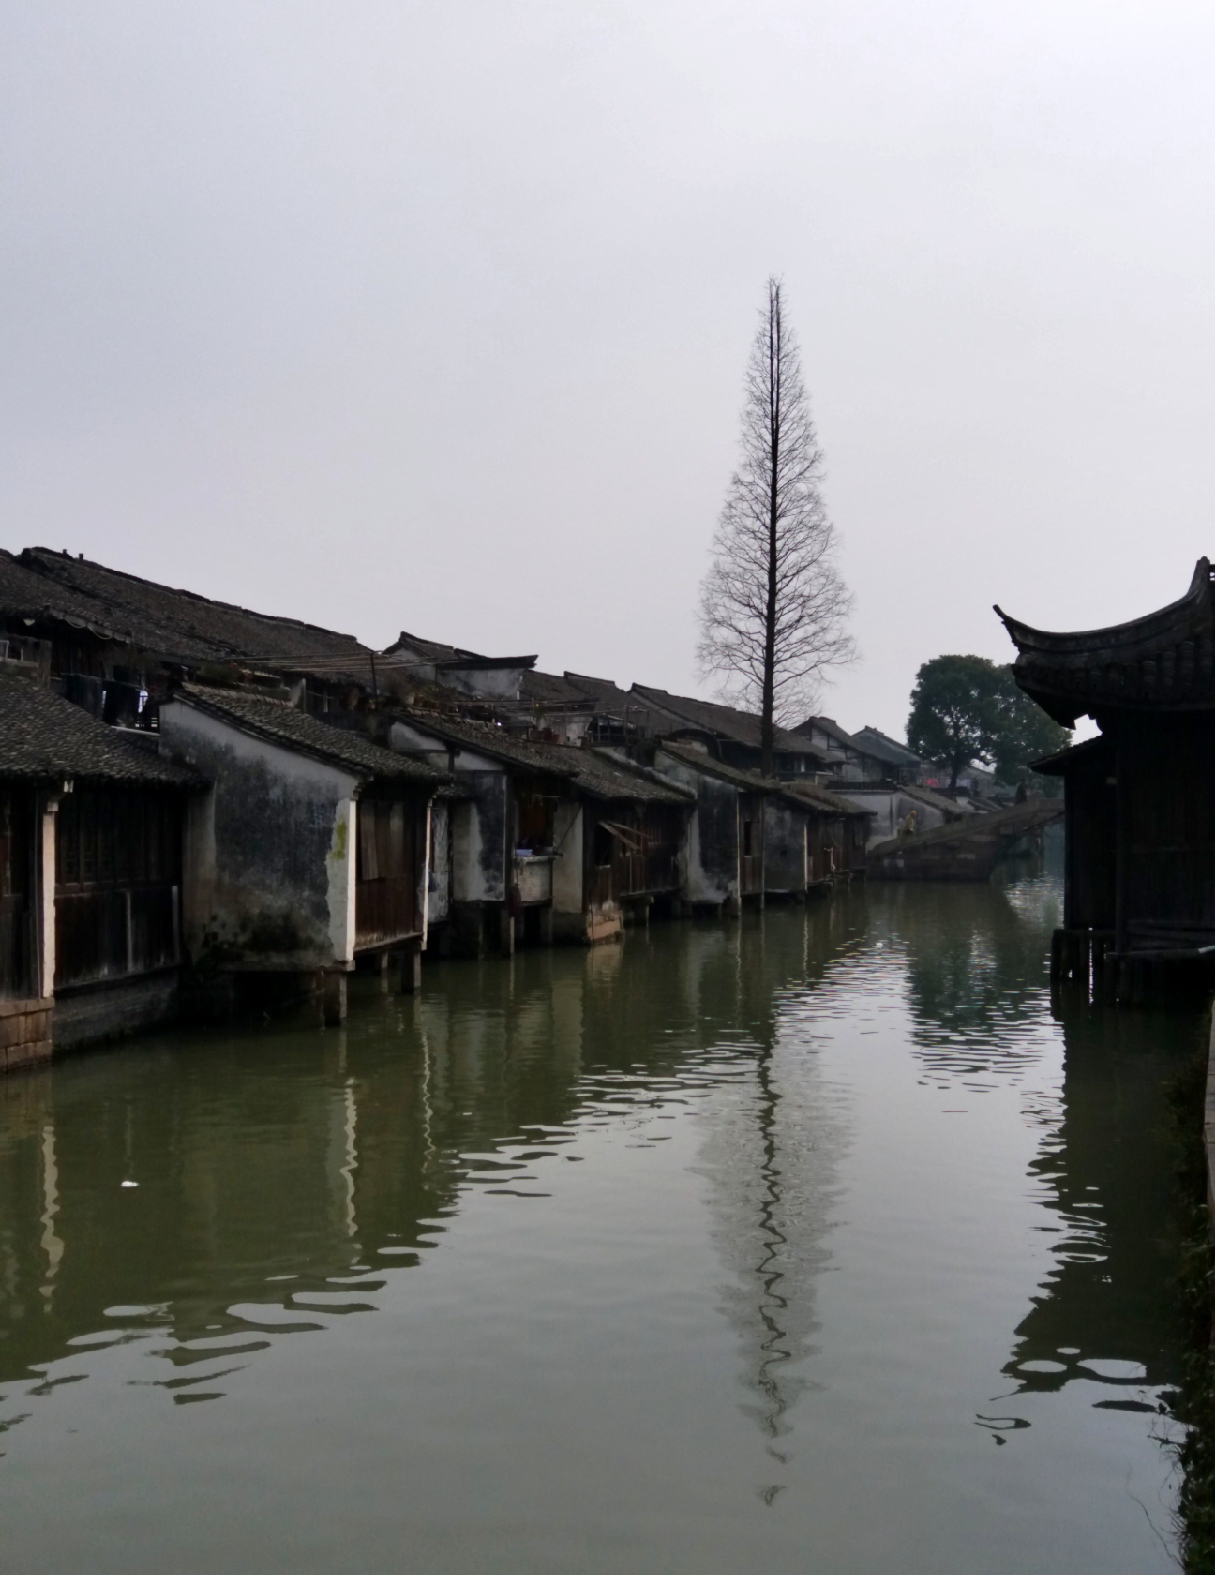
201 1198
774 1135
1104 1311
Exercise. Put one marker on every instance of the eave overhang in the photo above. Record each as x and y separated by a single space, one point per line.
1163 661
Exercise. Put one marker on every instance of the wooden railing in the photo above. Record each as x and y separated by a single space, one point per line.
385 910
634 875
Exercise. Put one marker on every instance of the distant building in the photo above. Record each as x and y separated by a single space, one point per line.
753 836
901 764
548 841
478 677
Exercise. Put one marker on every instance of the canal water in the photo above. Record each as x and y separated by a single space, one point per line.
815 1242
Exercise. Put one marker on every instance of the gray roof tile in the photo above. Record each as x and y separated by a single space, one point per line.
44 737
175 625
283 723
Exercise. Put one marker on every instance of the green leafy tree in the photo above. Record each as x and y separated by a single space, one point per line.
1025 734
967 708
955 712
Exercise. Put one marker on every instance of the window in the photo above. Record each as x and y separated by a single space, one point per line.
115 837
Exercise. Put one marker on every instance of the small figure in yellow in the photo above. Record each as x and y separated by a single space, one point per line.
907 829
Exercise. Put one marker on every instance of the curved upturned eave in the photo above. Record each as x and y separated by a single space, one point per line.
1178 620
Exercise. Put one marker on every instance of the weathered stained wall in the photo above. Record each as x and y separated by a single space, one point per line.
569 873
479 838
569 822
480 823
709 861
490 683
784 846
439 881
270 850
889 810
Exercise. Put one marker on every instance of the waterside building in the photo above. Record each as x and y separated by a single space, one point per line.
1140 817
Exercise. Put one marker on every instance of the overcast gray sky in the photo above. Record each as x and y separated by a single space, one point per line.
434 315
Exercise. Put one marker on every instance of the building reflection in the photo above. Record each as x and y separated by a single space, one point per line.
177 1179
1106 1175
267 1166
1104 1166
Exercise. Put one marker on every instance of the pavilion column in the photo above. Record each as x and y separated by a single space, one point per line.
1122 872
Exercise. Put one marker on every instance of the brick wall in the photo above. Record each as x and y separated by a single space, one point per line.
25 1033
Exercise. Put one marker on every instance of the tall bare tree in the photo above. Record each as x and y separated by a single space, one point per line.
773 608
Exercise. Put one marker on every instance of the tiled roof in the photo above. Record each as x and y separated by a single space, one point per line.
833 730
948 806
604 775
1165 660
24 593
44 737
609 697
750 781
434 652
804 793
882 747
282 723
175 625
823 798
553 690
592 771
1059 764
724 721
495 742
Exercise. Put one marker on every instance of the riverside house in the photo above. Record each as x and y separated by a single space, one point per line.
310 850
91 830
548 841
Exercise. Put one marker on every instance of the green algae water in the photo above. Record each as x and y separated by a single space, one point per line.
816 1242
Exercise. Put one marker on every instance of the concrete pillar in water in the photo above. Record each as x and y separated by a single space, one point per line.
333 999
411 970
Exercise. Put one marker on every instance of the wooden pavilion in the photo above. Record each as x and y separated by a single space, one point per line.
1139 903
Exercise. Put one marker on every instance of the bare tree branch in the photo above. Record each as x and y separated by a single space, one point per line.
773 608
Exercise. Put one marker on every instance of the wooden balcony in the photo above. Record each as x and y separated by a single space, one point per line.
115 932
385 910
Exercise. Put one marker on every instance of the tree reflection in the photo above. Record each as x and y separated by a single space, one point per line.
976 960
773 1142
